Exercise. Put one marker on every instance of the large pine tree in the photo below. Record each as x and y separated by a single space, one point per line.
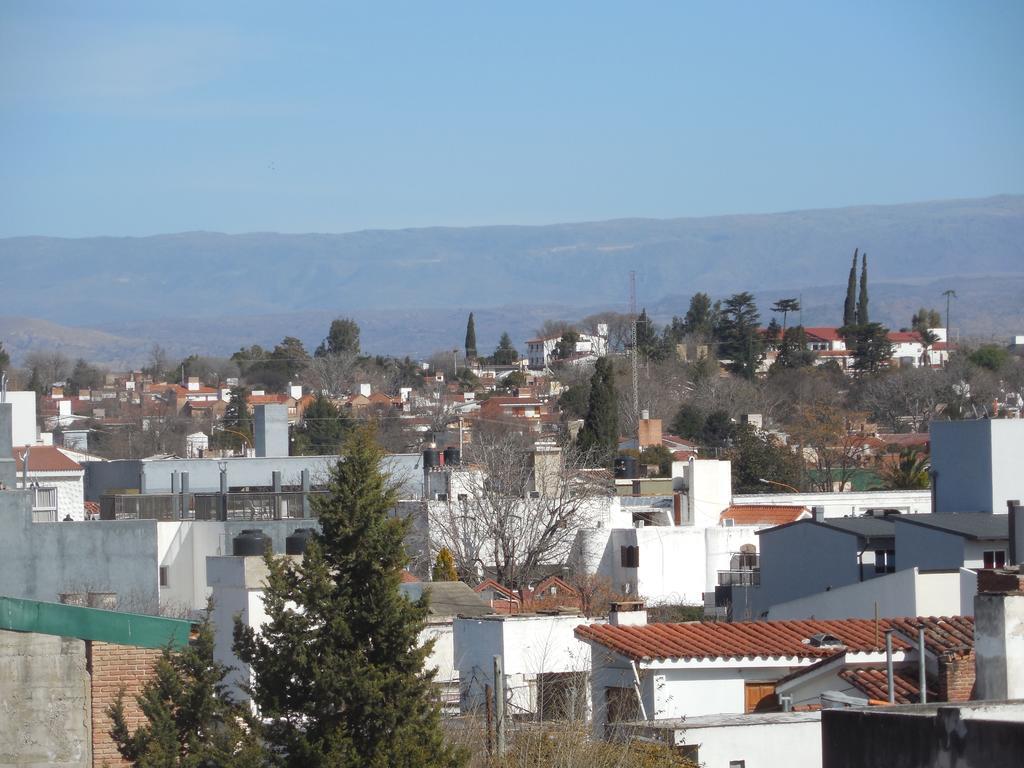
600 433
741 341
338 669
470 338
190 717
505 353
850 307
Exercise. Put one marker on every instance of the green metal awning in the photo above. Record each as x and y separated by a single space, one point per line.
133 629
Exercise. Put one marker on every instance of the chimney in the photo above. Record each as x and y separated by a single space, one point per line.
295 391
818 513
365 390
648 432
193 383
999 634
271 430
627 613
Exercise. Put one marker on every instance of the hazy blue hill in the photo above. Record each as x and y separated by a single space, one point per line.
412 288
203 273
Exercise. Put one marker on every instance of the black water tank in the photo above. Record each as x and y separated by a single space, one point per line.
249 542
452 456
296 543
626 468
431 458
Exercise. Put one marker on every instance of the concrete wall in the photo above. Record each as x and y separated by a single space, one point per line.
977 464
794 744
804 559
271 430
442 656
999 646
24 429
38 561
904 593
845 504
704 688
918 546
45 701
921 736
183 547
204 474
530 645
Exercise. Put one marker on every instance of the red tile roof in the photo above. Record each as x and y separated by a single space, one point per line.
823 333
45 458
873 683
942 634
756 514
408 578
738 640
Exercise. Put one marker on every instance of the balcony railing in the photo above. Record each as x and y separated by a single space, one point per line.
255 505
744 578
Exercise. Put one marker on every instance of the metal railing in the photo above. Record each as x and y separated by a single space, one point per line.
248 505
744 578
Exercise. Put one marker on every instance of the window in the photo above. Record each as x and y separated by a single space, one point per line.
737 764
885 561
994 558
630 556
163 575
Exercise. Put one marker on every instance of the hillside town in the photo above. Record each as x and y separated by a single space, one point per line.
511 385
738 542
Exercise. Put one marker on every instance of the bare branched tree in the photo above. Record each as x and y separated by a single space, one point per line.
518 506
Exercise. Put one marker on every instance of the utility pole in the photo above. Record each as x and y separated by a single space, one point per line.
632 334
499 705
950 294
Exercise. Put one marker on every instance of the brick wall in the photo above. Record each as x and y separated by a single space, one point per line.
956 677
113 667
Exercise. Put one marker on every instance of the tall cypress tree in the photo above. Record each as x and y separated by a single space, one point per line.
470 338
338 669
600 433
862 301
850 307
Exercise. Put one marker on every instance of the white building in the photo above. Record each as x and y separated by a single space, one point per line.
588 348
56 482
546 667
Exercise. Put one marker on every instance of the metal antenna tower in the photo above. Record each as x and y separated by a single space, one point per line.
632 341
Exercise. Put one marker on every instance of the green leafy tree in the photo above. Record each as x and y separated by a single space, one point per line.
470 338
793 351
688 422
190 718
784 307
574 400
505 353
338 669
657 456
600 433
342 338
565 347
756 456
648 342
717 430
237 419
740 340
910 472
323 428
514 380
701 317
870 346
83 376
990 357
924 319
862 299
850 307
444 567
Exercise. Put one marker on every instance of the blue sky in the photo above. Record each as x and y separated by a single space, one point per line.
144 118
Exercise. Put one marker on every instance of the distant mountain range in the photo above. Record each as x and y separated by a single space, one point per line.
110 299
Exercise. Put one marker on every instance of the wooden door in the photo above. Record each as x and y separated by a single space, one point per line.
760 697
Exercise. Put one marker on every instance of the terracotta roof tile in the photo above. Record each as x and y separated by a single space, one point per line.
737 640
942 634
768 514
44 458
873 683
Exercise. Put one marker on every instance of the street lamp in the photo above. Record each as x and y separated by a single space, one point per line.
776 482
245 437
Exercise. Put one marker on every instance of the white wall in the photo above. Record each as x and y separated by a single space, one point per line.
23 426
845 504
794 744
907 592
529 645
442 656
709 484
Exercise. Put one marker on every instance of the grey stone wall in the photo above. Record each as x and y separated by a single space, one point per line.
44 701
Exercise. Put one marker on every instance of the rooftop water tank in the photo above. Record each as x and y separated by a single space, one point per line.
297 542
250 542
